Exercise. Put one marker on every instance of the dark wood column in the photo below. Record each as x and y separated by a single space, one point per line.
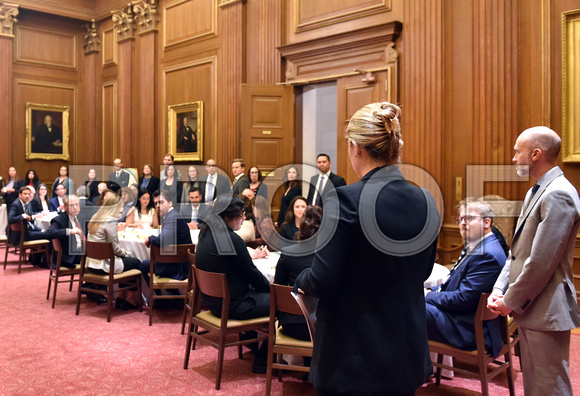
6 45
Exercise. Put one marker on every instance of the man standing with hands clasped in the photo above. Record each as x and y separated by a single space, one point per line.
536 284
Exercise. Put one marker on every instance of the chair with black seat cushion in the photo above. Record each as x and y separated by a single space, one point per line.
479 357
178 255
25 247
114 282
281 300
205 326
56 272
187 306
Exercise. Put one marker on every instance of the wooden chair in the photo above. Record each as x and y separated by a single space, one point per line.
215 285
479 357
160 283
188 305
57 272
25 247
279 343
130 279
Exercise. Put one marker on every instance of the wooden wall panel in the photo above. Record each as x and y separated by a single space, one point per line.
46 48
6 112
317 14
264 36
40 92
110 129
109 46
186 20
189 82
231 72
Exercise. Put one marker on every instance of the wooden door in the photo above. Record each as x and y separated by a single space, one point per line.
267 126
352 94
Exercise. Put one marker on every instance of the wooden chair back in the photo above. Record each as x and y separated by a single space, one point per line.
281 300
101 251
480 359
189 295
55 272
178 253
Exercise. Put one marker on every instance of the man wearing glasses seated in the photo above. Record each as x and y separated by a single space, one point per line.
451 306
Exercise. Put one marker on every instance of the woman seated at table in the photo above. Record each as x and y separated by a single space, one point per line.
247 232
249 289
292 189
264 228
103 228
290 266
92 184
191 182
144 215
171 184
293 217
128 203
40 201
63 179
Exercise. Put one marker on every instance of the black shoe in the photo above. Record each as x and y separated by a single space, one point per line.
118 303
101 299
259 366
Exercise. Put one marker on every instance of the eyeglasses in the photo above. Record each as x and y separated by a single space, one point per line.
467 219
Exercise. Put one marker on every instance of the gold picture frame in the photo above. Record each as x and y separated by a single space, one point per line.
47 132
570 86
185 136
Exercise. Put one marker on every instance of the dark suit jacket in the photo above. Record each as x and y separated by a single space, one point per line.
53 204
152 186
115 183
202 212
287 270
336 180
174 232
222 186
13 196
93 189
294 192
241 273
240 185
454 303
371 335
88 210
70 254
15 212
289 230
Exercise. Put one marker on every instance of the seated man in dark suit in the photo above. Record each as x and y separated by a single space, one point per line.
56 204
66 227
195 212
20 210
174 232
324 182
451 306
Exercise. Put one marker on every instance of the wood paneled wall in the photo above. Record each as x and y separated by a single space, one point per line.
471 75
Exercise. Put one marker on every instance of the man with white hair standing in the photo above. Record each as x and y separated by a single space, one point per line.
536 284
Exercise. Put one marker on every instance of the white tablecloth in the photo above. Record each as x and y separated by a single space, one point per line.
44 222
3 219
133 240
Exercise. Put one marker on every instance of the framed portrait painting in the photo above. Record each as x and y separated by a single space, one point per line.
186 131
47 132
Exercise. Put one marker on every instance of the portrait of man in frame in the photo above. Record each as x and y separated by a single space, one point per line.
185 124
47 132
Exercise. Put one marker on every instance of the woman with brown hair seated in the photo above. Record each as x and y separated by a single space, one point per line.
103 228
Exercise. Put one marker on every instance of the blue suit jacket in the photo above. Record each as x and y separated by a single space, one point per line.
174 232
454 303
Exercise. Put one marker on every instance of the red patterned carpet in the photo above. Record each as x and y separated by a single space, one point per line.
46 351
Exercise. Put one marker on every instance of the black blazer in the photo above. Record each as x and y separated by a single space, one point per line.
93 189
371 335
115 184
294 192
336 180
202 212
15 212
174 232
241 274
289 230
240 185
287 270
152 186
70 253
